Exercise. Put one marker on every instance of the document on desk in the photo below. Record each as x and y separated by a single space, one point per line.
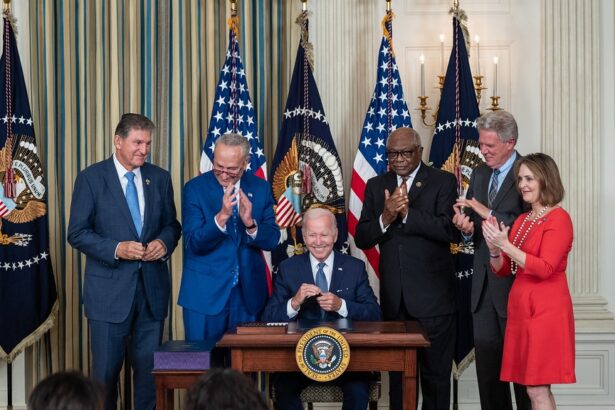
341 325
262 328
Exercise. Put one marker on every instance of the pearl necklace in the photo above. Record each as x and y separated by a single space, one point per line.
513 265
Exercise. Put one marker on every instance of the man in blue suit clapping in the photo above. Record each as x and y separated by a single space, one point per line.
123 219
228 220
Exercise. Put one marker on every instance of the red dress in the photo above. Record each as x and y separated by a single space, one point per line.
539 338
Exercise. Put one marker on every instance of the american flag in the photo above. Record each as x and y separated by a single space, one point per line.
387 112
454 148
233 112
28 298
306 170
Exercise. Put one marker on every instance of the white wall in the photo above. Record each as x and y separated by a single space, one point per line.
607 199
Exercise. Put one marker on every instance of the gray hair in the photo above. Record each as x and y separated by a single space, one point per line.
314 213
235 140
409 132
502 122
130 122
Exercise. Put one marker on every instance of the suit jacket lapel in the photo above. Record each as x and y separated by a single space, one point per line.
507 184
483 188
117 194
336 273
146 179
306 270
390 182
419 182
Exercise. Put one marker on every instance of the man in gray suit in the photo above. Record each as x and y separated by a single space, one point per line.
123 219
492 191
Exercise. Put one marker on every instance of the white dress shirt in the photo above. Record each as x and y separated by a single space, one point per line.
409 182
223 228
328 270
121 174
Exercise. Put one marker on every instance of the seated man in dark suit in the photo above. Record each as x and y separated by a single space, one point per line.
325 285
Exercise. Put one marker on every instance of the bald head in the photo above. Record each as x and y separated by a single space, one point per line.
405 133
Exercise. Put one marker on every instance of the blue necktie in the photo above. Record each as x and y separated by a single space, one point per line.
235 238
133 201
321 282
493 189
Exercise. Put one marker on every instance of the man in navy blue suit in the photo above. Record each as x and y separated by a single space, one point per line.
342 292
228 220
123 219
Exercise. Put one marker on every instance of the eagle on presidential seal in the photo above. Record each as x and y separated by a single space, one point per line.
323 356
22 191
309 175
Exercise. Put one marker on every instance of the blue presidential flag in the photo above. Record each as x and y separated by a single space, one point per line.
306 169
387 111
28 299
455 149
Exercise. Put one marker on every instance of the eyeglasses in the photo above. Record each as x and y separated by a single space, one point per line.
407 154
232 172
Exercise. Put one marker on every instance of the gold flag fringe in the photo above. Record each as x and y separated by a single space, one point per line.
32 337
302 21
462 17
385 31
458 369
233 24
9 15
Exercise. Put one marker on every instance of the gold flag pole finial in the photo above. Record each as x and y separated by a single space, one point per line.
304 5
233 8
389 6
6 6
456 4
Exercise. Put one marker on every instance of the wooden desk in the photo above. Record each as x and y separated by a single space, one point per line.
167 380
378 346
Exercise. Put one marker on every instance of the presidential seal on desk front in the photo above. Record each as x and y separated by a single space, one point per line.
322 354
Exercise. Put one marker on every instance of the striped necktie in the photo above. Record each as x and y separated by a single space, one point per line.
493 188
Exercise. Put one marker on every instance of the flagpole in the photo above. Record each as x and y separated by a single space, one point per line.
389 6
6 8
304 5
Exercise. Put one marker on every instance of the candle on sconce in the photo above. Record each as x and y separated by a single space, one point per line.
495 76
477 40
422 59
441 54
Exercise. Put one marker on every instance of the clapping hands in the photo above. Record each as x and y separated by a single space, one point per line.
395 204
496 235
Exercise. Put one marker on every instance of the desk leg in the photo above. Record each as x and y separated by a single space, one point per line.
409 380
237 359
160 393
170 395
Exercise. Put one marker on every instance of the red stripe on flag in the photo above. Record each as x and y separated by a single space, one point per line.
358 185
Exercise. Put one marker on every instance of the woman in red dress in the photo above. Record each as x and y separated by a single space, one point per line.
539 339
